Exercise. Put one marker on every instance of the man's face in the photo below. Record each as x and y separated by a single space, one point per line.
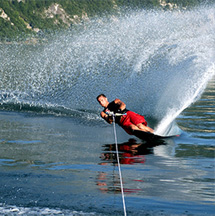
103 101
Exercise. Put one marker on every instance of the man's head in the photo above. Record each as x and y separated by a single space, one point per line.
103 101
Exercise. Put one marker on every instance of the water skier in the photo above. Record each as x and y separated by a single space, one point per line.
130 121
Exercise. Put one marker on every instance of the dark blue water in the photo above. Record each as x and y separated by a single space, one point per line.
57 157
56 165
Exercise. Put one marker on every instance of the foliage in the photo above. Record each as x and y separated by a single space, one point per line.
31 12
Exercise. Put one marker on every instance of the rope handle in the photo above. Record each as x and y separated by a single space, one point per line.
115 114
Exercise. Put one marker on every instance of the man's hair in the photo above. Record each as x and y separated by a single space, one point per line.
101 95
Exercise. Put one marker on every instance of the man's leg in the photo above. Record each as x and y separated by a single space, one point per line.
141 127
134 127
138 122
145 128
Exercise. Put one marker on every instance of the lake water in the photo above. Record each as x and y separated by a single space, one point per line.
57 157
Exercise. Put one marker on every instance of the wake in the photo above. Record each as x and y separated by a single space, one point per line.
157 62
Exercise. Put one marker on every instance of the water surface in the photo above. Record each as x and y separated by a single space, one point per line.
58 157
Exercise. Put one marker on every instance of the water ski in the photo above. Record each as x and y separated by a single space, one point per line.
148 136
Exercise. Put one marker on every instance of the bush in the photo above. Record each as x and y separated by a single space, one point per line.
30 12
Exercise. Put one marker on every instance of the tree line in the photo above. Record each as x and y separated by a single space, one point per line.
31 12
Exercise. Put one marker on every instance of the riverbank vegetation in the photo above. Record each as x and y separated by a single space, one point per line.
37 17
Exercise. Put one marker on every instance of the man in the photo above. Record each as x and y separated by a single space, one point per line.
129 121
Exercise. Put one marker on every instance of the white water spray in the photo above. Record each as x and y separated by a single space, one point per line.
157 62
166 126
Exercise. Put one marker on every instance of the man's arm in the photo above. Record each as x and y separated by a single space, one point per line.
106 117
121 104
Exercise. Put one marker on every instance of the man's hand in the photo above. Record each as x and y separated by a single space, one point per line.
107 117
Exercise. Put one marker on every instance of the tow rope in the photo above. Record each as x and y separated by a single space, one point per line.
117 155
